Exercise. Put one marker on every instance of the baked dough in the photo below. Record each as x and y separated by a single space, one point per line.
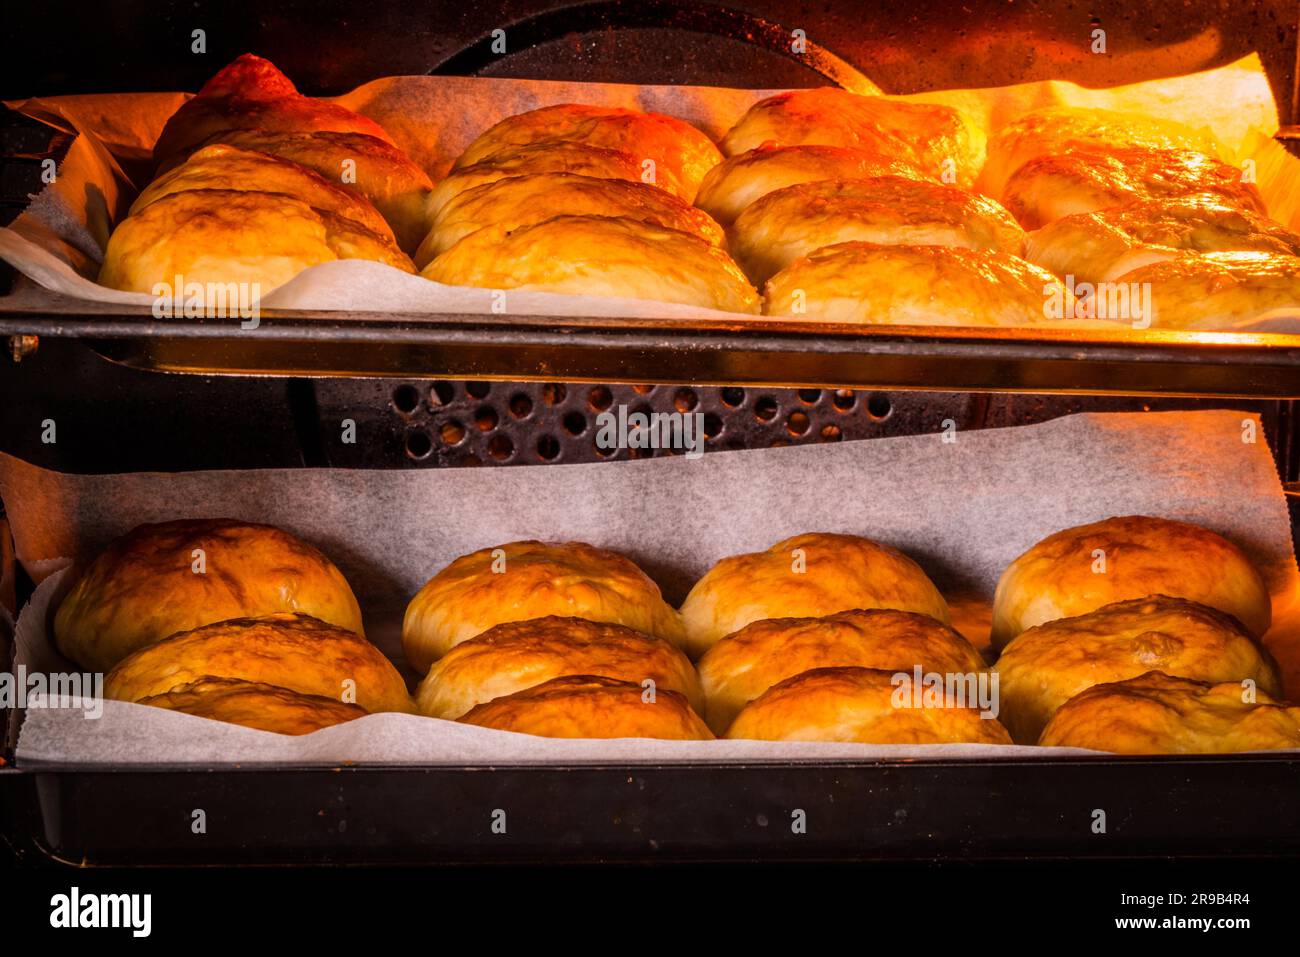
741 666
216 237
1079 569
526 200
670 144
806 576
1049 664
144 586
517 655
598 256
1157 714
256 705
798 220
869 284
292 651
1218 291
525 580
927 135
587 706
251 94
738 181
858 705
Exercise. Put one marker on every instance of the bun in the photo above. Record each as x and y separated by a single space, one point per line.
1049 664
255 705
1142 556
798 220
598 256
1158 714
1218 291
856 704
526 580
586 706
295 652
743 665
143 586
807 576
517 655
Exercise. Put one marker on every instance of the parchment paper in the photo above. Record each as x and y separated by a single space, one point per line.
963 510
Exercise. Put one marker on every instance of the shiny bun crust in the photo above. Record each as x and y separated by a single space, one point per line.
838 573
586 706
745 664
673 145
857 705
1048 665
1158 714
255 705
143 586
525 580
1143 556
1218 291
290 651
598 256
514 656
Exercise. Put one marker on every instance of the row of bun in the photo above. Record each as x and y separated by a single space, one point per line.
817 204
1133 634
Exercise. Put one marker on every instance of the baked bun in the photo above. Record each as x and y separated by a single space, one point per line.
598 256
587 706
1049 664
218 236
1102 246
1079 569
296 652
743 665
251 94
526 580
670 144
858 705
144 586
915 285
932 137
807 576
1218 291
735 183
1157 714
517 655
1050 187
526 200
256 705
798 220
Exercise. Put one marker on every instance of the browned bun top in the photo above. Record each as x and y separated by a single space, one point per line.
255 705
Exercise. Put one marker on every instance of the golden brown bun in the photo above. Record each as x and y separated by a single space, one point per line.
914 285
598 256
743 665
798 220
807 576
1141 556
143 586
927 135
1218 291
1157 714
525 200
1051 187
520 654
1048 665
856 704
255 705
1102 246
531 580
587 706
292 651
221 236
384 175
674 146
735 183
231 168
251 94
